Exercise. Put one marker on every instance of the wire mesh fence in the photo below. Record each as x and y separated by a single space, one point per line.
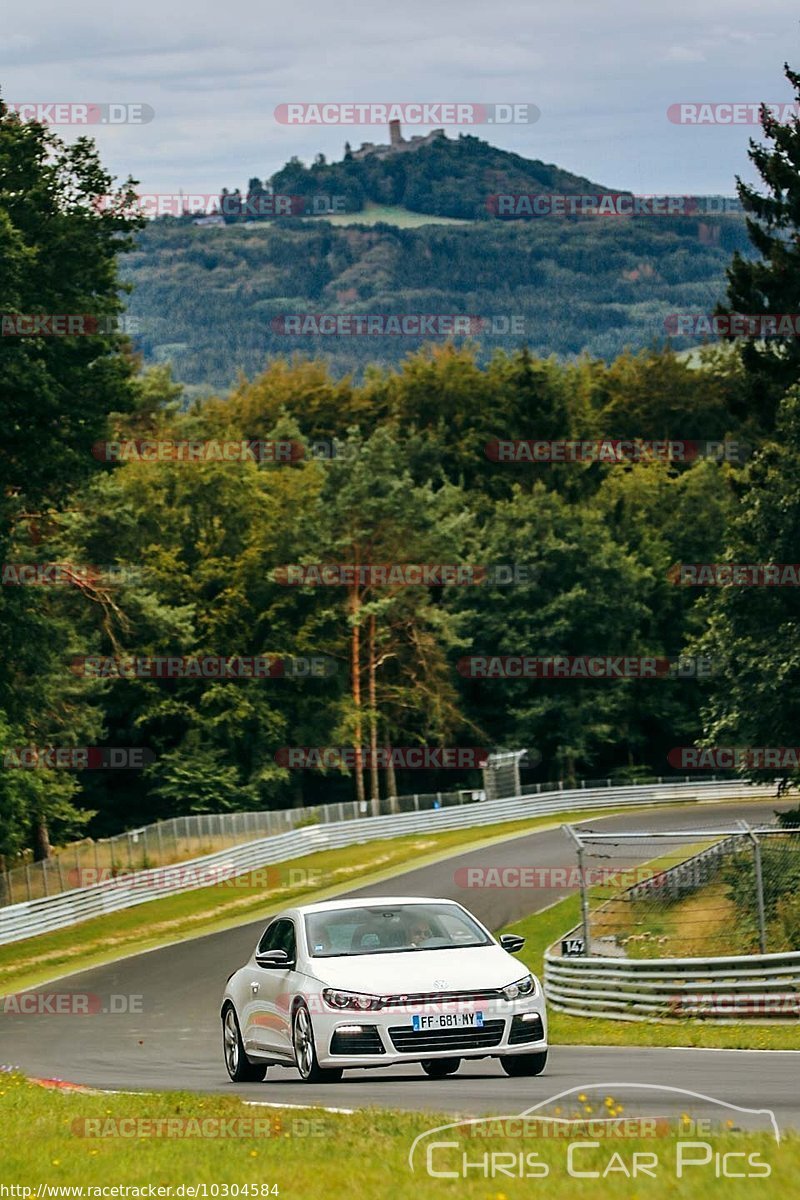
178 839
698 892
181 838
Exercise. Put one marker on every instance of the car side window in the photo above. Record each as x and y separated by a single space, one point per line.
279 935
287 940
269 938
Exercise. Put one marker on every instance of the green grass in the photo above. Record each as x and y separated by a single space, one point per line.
541 930
359 1156
390 214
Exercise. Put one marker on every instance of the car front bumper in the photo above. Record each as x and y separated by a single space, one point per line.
387 1037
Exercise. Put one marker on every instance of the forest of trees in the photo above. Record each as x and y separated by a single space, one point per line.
210 301
187 557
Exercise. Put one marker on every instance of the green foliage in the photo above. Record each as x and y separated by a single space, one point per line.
206 298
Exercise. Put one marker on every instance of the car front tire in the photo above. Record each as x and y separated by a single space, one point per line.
524 1064
305 1051
438 1068
240 1069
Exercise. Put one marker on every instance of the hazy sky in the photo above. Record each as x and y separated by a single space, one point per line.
602 73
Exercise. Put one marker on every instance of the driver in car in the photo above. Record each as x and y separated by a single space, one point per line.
420 931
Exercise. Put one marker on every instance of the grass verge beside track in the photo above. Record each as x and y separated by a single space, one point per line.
45 1142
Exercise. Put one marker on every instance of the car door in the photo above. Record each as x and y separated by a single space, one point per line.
271 990
255 1032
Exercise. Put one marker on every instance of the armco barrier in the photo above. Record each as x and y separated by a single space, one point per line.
734 988
721 988
18 921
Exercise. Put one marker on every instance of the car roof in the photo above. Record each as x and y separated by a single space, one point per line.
369 902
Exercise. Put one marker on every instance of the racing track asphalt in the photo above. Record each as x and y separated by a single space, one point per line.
174 1041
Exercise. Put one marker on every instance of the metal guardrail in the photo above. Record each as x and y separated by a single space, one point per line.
734 988
722 988
19 921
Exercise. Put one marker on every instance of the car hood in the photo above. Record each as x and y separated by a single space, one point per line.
461 969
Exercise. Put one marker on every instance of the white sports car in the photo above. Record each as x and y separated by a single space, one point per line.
381 981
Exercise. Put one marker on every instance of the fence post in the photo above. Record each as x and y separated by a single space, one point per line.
584 897
762 922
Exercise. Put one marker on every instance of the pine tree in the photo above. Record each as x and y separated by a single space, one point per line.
770 284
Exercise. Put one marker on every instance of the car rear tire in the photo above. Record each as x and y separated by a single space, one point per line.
524 1064
438 1068
240 1069
305 1051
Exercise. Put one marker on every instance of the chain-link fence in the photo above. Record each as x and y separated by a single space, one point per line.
165 842
180 838
698 892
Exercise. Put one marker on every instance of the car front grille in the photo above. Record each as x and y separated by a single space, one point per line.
363 1039
421 999
407 1041
522 1030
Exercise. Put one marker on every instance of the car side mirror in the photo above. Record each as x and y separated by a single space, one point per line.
512 942
273 958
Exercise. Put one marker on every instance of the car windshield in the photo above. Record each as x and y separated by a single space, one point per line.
388 929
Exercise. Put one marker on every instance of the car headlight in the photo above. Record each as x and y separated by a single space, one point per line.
523 987
357 1000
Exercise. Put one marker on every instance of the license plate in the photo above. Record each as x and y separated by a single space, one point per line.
473 1020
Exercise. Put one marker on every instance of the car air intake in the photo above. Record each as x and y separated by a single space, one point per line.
526 1027
357 1039
409 1041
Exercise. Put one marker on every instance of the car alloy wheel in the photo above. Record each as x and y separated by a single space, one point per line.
305 1051
240 1069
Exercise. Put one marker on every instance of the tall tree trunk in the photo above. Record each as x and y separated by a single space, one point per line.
41 840
375 793
355 670
391 783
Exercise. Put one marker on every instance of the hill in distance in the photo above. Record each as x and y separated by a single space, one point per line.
420 238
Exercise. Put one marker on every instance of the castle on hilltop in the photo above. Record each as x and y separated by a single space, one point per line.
397 143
